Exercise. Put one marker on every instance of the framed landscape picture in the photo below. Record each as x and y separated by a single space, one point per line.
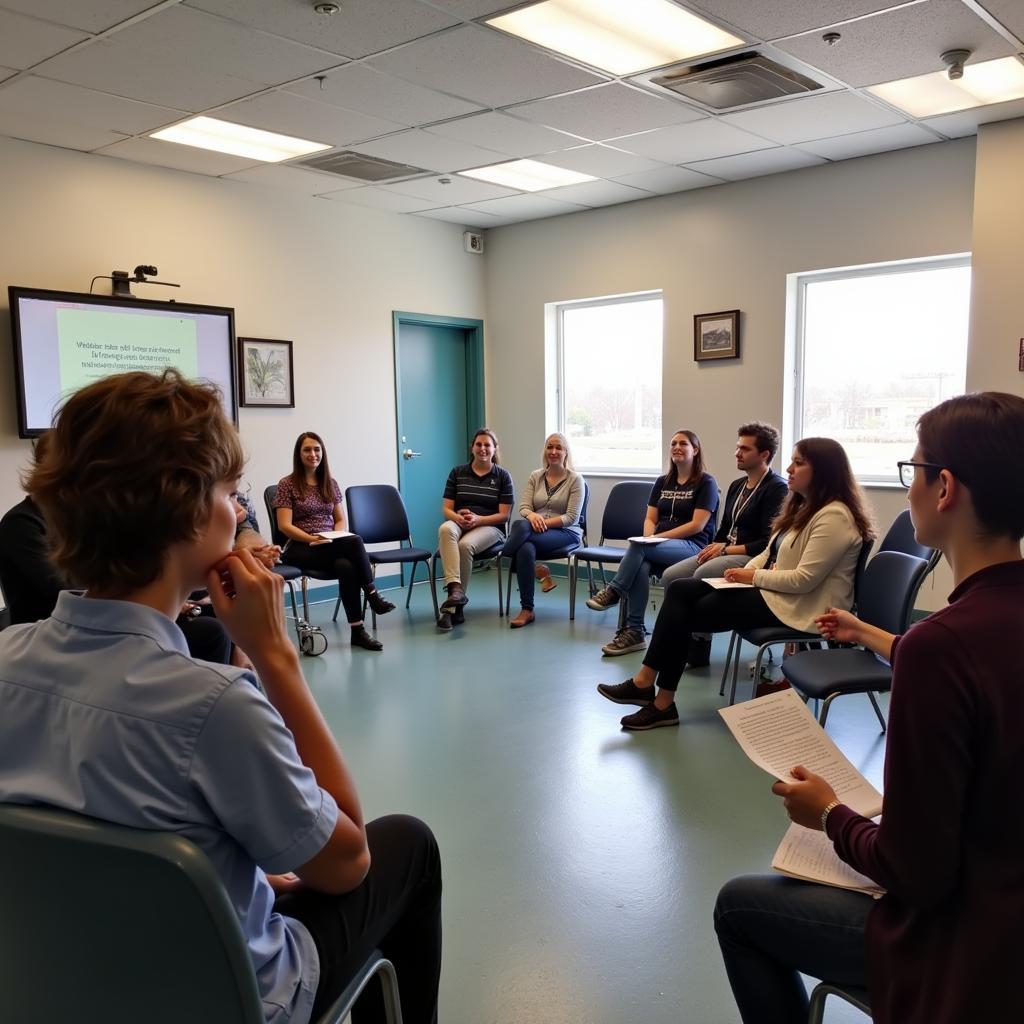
716 335
265 373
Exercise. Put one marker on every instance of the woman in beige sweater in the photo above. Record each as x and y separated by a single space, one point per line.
808 566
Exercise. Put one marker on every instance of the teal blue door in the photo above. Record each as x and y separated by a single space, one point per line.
439 387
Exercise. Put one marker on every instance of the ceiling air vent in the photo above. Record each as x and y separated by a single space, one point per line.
347 164
735 81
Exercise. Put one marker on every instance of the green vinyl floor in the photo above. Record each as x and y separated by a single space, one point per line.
581 862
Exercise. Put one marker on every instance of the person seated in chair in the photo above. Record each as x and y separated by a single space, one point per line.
751 503
157 740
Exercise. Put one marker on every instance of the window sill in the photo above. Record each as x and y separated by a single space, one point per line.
620 474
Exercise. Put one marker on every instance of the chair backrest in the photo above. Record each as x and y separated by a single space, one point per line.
900 537
377 513
625 510
888 590
276 536
858 573
584 507
102 922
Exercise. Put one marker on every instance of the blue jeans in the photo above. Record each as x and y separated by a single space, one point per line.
772 928
633 580
524 545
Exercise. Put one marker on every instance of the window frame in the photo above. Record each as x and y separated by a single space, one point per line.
802 280
559 410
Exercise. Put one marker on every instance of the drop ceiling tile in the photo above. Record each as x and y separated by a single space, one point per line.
526 207
966 122
54 130
94 16
878 140
431 152
601 161
319 122
185 59
683 144
771 19
292 178
25 41
1009 13
597 193
469 9
814 117
180 158
462 215
458 190
484 66
358 87
504 134
31 96
667 180
899 43
360 28
379 199
607 112
754 165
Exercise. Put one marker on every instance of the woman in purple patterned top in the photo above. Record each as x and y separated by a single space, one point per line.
308 504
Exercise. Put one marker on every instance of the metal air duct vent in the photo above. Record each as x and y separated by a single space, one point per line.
347 164
735 81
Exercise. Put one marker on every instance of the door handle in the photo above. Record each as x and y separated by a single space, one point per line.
410 454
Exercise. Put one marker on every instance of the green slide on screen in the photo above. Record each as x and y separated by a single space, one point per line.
95 344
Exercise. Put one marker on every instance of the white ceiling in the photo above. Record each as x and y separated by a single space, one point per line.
424 83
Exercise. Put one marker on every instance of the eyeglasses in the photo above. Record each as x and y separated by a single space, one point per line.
907 467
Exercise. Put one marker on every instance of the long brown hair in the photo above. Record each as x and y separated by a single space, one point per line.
831 480
697 469
323 471
486 432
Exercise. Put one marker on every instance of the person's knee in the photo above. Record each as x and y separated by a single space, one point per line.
448 531
403 831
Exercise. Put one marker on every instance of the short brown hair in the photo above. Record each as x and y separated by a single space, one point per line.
129 469
766 437
979 439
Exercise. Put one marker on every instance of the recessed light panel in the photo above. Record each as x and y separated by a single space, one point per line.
527 175
237 139
619 37
992 81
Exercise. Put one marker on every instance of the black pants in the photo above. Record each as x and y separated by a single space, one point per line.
691 606
207 639
396 909
346 560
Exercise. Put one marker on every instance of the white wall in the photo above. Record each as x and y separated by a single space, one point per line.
323 275
725 247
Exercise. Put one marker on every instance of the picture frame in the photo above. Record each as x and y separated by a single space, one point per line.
266 378
716 335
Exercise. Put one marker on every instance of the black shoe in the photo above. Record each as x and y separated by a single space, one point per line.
627 693
651 718
698 654
456 595
360 638
444 620
459 615
379 605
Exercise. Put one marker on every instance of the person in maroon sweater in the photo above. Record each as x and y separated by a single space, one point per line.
943 944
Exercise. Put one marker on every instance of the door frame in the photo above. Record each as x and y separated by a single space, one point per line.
475 404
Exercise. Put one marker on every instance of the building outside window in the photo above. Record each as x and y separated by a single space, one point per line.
876 346
609 354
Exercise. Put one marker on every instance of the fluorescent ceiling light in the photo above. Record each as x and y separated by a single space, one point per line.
237 139
527 175
622 38
992 81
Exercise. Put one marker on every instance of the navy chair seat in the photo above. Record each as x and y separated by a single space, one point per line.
394 556
818 674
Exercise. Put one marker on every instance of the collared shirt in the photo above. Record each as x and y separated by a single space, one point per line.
102 712
480 494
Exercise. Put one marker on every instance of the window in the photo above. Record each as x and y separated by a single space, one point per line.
609 382
875 348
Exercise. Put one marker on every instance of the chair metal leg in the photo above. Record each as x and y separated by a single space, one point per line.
816 1008
574 571
878 710
305 597
728 662
433 584
337 604
290 584
377 965
735 669
412 580
508 588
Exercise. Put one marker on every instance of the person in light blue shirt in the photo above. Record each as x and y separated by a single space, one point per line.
104 713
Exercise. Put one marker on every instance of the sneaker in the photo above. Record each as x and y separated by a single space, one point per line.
698 653
361 638
444 620
603 599
651 717
627 693
626 641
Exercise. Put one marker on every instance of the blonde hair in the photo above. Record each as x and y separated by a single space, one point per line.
567 462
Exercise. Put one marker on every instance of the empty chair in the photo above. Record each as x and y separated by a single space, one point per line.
886 600
624 515
139 923
900 537
377 513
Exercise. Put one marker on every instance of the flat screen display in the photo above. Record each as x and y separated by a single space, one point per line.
65 340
